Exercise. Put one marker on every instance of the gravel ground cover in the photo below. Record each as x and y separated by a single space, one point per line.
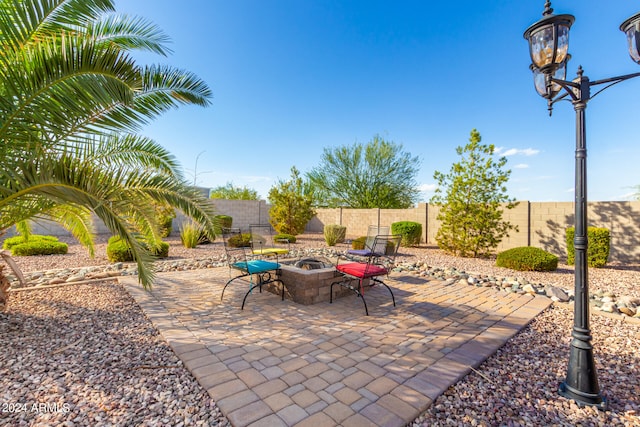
85 354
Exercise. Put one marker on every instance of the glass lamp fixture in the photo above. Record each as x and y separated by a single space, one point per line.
542 82
631 27
549 40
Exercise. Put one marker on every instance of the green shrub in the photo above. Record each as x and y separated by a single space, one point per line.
119 251
410 231
39 247
334 233
224 221
358 243
10 242
190 235
240 240
598 249
166 225
527 258
281 237
161 251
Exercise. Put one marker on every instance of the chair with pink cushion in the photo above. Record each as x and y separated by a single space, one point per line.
379 263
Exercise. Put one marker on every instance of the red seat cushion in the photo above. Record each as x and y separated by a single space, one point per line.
361 270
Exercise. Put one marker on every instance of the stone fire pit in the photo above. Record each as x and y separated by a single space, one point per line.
308 280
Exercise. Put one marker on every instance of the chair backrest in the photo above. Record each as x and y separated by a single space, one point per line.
384 250
232 238
372 232
261 236
379 263
263 243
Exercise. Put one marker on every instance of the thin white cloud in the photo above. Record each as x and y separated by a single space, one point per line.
516 151
570 190
521 166
427 187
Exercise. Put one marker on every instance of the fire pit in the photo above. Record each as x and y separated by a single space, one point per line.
308 280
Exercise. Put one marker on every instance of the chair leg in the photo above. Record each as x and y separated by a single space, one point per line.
393 298
259 285
229 282
357 292
249 291
361 295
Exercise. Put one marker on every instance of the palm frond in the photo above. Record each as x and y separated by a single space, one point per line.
24 22
42 106
135 152
130 33
78 221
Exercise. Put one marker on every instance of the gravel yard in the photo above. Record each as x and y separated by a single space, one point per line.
85 354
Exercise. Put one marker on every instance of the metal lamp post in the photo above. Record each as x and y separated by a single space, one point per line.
548 45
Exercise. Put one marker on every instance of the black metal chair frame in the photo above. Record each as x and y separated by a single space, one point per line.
265 271
263 244
379 263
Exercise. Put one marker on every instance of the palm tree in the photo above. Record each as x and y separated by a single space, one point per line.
71 101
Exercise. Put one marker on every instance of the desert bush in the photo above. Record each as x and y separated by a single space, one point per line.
410 231
39 247
527 258
190 235
10 242
598 249
281 237
291 207
165 215
224 221
358 243
334 233
119 251
240 240
161 251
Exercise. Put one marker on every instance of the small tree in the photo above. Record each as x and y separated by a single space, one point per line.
291 209
470 198
376 175
231 192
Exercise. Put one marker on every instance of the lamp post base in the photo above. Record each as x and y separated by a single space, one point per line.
582 398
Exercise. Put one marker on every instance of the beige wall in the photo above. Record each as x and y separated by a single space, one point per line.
540 224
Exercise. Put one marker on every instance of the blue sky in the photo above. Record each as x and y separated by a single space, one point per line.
292 77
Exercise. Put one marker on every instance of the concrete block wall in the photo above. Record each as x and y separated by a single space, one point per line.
548 222
540 224
358 221
519 217
243 212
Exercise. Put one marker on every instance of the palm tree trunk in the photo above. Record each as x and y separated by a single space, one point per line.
4 286
4 282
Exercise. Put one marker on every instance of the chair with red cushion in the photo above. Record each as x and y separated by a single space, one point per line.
367 274
372 232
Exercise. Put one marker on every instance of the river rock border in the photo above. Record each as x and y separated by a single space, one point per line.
605 302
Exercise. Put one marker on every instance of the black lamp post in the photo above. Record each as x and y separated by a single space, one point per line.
548 45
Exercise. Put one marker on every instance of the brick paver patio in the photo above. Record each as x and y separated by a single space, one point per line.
282 364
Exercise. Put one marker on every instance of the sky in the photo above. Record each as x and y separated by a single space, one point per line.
291 78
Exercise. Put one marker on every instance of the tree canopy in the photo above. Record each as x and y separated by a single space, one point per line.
291 208
378 174
231 192
72 99
471 198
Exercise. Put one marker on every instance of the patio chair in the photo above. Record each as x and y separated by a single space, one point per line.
372 232
265 271
379 263
263 243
